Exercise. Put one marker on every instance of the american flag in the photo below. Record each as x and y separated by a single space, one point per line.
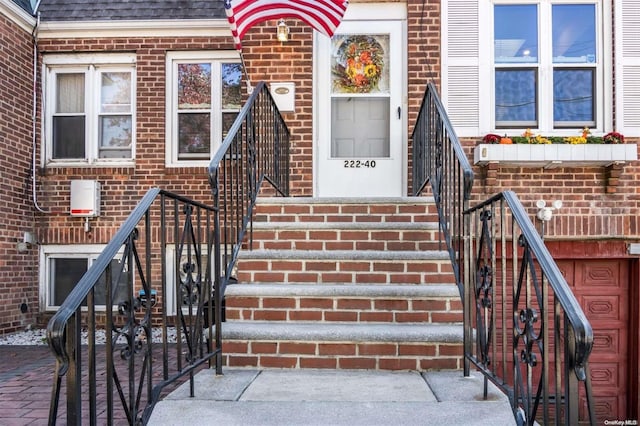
323 15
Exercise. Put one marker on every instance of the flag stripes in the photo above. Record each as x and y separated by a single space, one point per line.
323 15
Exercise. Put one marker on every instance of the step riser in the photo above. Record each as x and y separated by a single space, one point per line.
358 213
342 355
335 309
344 271
345 240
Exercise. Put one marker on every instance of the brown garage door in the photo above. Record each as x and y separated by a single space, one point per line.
602 287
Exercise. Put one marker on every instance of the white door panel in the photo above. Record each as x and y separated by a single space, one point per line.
360 146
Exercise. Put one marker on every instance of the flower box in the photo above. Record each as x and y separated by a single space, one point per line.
555 155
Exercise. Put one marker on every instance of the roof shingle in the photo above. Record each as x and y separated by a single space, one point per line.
135 10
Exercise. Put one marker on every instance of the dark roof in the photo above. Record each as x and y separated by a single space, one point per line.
24 4
125 10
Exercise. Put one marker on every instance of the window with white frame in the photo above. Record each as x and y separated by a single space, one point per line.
90 109
546 65
203 100
509 65
62 267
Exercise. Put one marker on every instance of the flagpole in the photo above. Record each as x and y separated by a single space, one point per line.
246 74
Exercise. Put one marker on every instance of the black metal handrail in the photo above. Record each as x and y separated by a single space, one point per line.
131 275
438 159
510 333
255 149
532 338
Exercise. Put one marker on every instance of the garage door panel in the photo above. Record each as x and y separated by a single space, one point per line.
600 273
604 307
607 343
602 288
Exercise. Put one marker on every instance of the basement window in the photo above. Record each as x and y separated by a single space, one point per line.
62 267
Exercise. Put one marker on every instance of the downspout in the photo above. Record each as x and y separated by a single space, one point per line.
34 113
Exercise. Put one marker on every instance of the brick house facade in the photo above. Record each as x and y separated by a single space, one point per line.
19 295
590 234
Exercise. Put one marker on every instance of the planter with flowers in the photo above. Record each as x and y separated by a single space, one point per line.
529 150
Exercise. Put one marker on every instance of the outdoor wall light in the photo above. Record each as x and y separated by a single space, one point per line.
283 31
545 213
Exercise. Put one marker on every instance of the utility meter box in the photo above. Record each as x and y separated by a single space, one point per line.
284 94
85 198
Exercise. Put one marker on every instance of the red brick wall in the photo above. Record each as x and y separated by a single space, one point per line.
592 206
18 271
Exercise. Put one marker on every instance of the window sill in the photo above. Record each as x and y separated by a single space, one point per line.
555 155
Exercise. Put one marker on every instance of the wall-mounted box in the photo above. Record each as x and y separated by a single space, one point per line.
85 198
284 94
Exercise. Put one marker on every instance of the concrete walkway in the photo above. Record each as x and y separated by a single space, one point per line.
333 397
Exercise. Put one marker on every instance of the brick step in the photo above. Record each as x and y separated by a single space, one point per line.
344 266
404 346
434 303
395 236
328 210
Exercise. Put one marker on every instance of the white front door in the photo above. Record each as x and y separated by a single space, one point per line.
360 117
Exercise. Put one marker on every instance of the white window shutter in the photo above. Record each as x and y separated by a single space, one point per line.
627 77
461 73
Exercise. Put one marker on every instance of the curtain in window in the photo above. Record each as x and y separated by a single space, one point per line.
70 89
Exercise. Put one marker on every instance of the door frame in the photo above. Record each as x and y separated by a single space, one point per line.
366 12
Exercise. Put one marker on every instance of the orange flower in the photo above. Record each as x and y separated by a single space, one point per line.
360 80
365 57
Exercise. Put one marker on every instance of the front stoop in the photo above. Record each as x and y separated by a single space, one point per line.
334 397
344 284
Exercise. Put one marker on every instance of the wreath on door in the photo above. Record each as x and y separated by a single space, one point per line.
358 64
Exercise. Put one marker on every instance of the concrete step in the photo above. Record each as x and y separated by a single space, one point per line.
343 345
333 397
346 266
385 303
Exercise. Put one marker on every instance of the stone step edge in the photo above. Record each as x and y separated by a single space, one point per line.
345 200
451 333
358 226
408 255
343 290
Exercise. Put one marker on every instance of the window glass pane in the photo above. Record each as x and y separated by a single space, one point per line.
68 137
516 97
228 118
119 285
573 95
574 33
115 93
360 127
516 33
65 274
231 89
194 86
70 92
115 134
194 135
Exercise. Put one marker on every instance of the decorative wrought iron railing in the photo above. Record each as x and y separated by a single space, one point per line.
532 338
438 159
166 270
156 274
523 327
255 149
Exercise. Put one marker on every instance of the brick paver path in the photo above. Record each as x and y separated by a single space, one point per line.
26 378
26 382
